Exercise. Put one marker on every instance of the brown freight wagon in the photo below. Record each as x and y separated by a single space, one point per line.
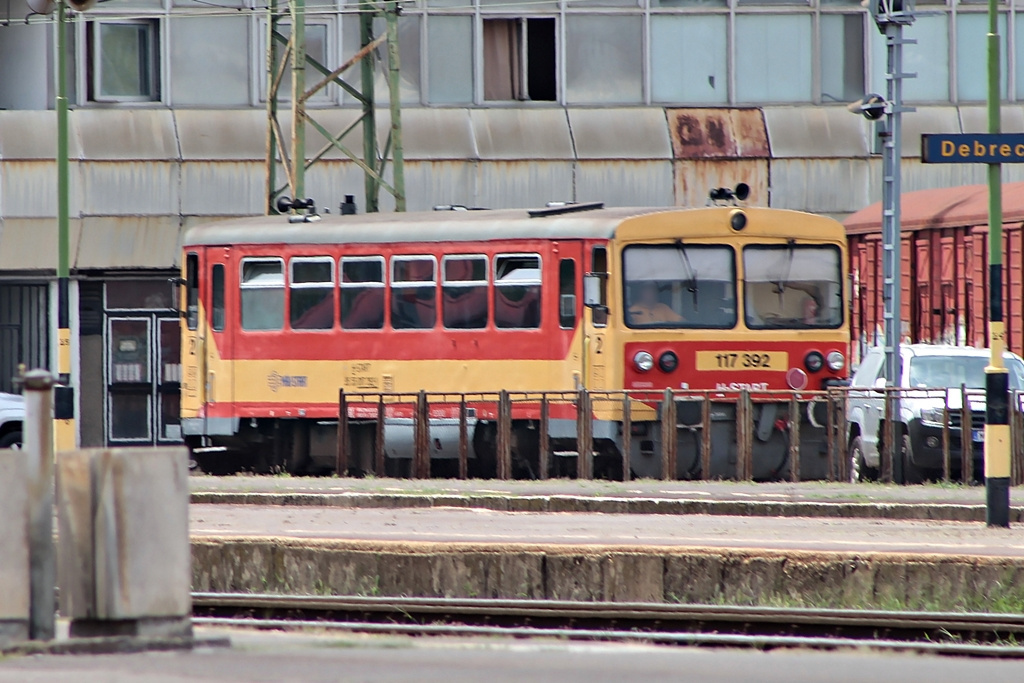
944 258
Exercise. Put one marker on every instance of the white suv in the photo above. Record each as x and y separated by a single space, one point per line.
924 366
12 415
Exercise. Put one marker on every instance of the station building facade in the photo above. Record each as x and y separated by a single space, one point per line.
505 104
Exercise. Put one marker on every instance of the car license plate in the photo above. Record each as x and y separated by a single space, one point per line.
977 435
743 360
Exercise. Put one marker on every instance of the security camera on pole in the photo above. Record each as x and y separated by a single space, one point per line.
891 16
65 433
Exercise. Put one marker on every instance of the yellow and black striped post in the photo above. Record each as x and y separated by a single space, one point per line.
997 384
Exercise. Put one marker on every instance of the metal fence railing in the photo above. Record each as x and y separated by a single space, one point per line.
780 435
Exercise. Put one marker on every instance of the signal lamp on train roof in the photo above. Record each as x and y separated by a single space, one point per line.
737 219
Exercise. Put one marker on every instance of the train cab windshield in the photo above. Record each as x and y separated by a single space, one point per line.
792 286
679 285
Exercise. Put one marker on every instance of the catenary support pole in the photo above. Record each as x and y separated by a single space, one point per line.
64 414
997 388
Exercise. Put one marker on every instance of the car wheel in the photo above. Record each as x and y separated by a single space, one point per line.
11 440
859 470
912 474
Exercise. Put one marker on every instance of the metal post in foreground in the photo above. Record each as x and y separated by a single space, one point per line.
38 444
997 380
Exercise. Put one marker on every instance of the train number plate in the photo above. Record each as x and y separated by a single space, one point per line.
743 360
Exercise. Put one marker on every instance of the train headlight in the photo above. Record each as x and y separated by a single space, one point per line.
643 361
814 361
668 361
835 361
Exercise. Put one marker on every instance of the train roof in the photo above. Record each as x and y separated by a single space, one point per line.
427 226
946 207
421 226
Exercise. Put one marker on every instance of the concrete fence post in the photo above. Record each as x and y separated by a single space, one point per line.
38 453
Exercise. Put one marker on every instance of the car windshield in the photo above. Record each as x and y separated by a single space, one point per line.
944 372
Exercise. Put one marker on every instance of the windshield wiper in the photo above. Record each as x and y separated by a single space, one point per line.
690 280
783 281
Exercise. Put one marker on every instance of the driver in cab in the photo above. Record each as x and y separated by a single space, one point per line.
648 309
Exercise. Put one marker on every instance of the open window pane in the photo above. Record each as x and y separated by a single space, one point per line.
689 58
773 58
517 287
842 62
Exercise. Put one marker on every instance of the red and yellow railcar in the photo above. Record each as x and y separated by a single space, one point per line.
282 311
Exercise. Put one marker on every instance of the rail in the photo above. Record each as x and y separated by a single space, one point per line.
944 632
813 426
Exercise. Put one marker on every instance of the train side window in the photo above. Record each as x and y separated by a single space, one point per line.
192 291
567 293
311 293
413 292
217 296
599 266
464 291
362 292
517 283
262 294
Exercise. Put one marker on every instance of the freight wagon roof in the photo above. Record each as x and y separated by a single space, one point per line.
946 207
423 226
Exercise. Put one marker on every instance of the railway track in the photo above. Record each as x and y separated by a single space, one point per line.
974 634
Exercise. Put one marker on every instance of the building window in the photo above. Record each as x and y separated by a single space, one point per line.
773 58
604 58
519 59
362 292
842 62
124 59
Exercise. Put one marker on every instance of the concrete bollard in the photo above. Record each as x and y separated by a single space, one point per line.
125 562
38 458
14 572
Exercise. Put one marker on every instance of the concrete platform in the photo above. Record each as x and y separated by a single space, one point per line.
817 499
585 556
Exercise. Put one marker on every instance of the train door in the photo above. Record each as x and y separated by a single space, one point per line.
596 323
193 384
570 274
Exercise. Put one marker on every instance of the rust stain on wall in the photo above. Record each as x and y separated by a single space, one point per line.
718 133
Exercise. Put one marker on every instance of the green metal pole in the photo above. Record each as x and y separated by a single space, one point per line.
64 413
997 393
298 103
372 187
395 96
272 56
